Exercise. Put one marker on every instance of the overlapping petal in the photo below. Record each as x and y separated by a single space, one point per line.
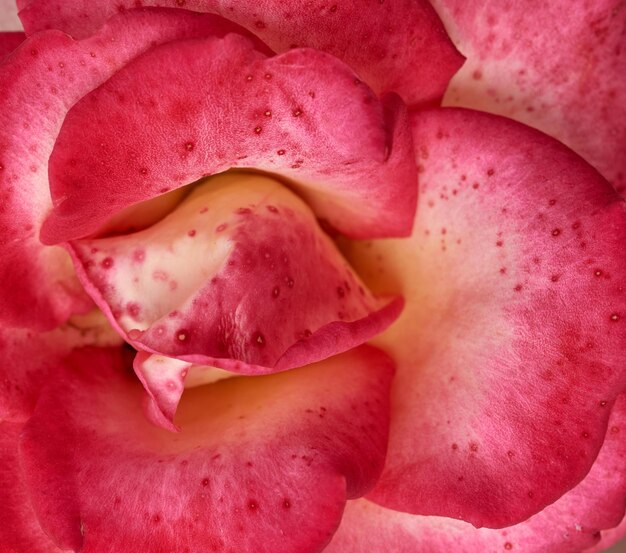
239 276
262 464
398 46
567 526
219 103
558 66
509 348
40 82
30 358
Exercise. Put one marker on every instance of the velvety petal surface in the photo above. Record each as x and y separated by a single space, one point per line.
398 46
20 531
239 276
221 103
569 525
38 84
30 358
510 347
262 464
9 41
559 66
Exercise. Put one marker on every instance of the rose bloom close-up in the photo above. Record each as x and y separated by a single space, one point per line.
292 276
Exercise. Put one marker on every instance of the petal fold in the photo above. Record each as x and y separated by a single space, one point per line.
510 346
221 103
398 46
239 276
40 82
564 75
569 525
262 464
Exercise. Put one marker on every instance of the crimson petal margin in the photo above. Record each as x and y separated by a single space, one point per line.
510 347
262 464
398 46
577 93
569 525
221 103
19 529
9 41
40 82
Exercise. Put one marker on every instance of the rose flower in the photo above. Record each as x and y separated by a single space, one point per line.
261 292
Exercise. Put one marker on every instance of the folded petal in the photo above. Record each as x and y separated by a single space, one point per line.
569 525
510 348
262 464
221 103
558 66
40 82
239 276
394 46
19 528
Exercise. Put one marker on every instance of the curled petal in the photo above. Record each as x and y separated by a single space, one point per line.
262 464
569 525
239 276
510 348
398 46
564 75
40 81
221 103
19 527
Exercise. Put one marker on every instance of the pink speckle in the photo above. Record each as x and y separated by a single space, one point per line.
107 263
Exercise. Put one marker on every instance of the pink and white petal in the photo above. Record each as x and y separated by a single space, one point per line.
9 41
510 346
262 464
221 104
19 528
30 358
8 16
397 46
562 74
239 276
41 81
569 525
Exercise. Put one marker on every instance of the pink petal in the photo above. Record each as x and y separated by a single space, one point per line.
20 531
262 464
239 276
558 66
8 16
220 103
567 526
30 358
42 80
510 348
9 42
398 46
